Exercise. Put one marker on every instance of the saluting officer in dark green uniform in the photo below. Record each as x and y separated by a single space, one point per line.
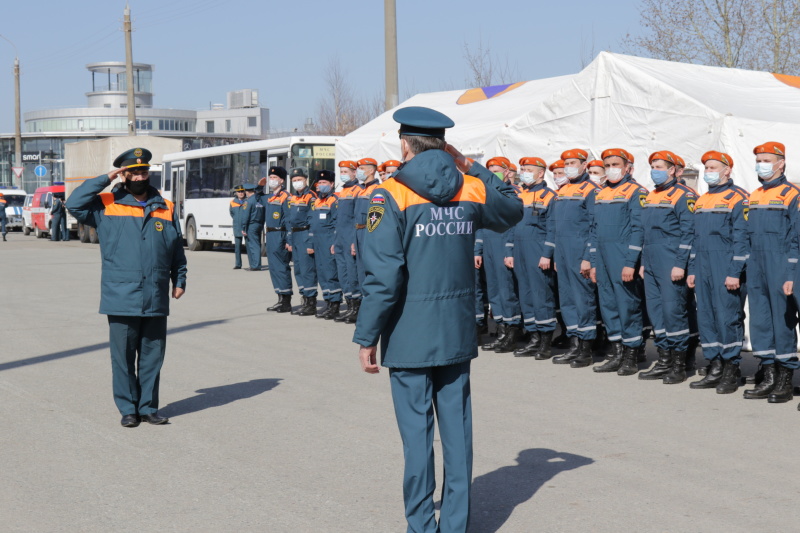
142 252
419 301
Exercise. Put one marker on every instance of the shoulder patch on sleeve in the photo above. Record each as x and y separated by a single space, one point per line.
378 199
690 201
374 217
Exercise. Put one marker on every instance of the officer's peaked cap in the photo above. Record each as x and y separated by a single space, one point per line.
135 157
422 121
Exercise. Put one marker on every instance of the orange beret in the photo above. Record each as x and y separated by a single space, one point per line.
512 166
713 155
557 164
536 161
678 160
663 155
382 167
596 163
391 163
575 153
770 147
348 164
367 161
499 161
618 152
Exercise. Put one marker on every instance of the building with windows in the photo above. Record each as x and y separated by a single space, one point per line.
46 131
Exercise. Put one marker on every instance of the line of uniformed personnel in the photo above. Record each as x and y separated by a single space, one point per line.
319 232
614 262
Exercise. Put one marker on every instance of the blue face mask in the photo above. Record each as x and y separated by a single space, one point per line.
712 178
324 188
659 176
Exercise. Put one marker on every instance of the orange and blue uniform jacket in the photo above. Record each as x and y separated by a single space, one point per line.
141 247
418 255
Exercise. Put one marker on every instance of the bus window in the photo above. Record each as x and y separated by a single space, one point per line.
314 157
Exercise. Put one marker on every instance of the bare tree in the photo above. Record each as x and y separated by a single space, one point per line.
486 69
341 110
750 34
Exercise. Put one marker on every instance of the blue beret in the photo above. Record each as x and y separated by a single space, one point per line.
422 121
249 186
135 157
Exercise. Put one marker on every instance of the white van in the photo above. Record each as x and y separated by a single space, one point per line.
27 222
15 199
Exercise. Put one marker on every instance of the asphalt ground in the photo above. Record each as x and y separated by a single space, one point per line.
275 428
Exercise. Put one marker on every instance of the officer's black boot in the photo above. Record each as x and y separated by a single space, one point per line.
691 361
585 354
758 377
501 333
614 359
324 311
641 356
763 389
352 317
678 372
530 349
285 304
783 385
572 353
661 367
630 364
333 312
343 316
310 308
277 305
509 342
562 341
544 351
303 301
731 377
712 377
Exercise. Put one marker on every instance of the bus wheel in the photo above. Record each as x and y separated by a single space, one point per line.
191 237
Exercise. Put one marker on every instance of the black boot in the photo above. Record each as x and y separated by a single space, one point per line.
731 377
303 300
691 361
758 377
501 333
352 317
310 309
562 341
713 375
585 355
285 304
544 351
324 311
509 342
572 353
763 389
641 356
333 312
277 305
783 390
342 317
630 364
532 347
661 367
481 328
678 372
614 359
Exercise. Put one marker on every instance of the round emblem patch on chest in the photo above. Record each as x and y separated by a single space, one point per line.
159 226
276 215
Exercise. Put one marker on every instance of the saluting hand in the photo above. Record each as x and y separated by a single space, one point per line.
114 173
369 361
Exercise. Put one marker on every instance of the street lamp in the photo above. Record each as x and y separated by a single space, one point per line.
17 122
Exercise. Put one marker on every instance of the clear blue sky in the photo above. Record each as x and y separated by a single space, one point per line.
203 48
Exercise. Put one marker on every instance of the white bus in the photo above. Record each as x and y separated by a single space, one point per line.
200 182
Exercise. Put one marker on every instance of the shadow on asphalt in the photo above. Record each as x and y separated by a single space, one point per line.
99 346
495 495
218 396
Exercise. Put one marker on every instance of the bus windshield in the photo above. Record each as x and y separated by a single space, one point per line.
314 157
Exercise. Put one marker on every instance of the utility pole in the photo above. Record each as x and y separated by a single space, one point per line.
390 36
17 123
129 71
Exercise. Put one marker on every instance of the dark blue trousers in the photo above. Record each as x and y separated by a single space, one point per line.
254 246
279 257
305 271
237 251
135 382
417 394
325 263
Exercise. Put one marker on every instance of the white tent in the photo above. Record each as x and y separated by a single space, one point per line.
642 105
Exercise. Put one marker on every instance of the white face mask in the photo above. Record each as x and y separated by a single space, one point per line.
274 184
526 177
571 172
361 176
299 185
614 174
560 182
765 170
